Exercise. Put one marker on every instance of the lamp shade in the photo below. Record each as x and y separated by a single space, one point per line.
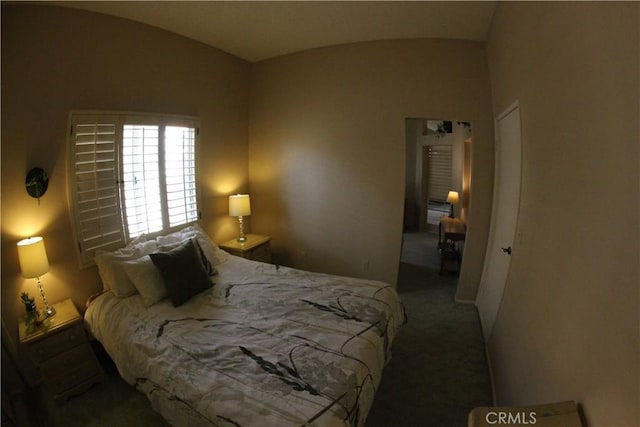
239 205
453 197
33 257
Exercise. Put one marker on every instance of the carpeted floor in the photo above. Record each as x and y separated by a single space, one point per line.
437 373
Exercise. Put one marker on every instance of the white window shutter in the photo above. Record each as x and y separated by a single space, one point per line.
94 189
141 175
180 175
130 174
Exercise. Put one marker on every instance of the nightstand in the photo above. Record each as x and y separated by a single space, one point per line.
255 248
61 351
450 231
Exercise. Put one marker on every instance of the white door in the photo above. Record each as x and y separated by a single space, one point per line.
506 199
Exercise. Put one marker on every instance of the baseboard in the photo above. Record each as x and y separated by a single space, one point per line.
464 301
490 368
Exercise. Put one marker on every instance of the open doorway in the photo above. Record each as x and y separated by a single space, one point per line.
437 186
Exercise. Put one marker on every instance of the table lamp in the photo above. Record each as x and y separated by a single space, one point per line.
240 205
452 199
33 264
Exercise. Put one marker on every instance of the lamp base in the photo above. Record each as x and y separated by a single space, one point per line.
48 312
241 238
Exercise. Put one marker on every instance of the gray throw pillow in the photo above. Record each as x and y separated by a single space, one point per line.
182 272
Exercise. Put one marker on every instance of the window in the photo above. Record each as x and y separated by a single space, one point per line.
130 175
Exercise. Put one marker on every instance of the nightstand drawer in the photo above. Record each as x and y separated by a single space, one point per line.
58 343
261 253
66 362
255 248
82 373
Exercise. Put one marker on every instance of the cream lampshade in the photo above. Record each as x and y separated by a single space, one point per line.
452 199
34 264
240 205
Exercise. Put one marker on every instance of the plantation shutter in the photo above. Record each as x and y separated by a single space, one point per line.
439 172
94 189
141 175
180 175
130 175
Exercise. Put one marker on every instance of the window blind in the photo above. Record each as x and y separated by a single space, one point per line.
439 172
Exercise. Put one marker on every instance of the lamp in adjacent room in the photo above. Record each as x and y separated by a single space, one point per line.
452 199
240 206
34 264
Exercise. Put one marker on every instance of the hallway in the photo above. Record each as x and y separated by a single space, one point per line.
438 371
421 249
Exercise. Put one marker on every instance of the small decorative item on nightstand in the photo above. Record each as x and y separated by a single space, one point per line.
255 248
59 347
32 317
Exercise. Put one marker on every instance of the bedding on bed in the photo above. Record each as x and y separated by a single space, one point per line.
264 346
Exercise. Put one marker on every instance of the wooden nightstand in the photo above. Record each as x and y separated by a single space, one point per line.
61 351
450 231
256 248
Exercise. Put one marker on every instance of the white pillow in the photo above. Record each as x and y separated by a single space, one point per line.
138 241
110 268
214 254
146 279
178 236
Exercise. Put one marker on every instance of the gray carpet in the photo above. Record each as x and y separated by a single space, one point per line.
437 373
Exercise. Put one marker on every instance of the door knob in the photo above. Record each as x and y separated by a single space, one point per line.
507 250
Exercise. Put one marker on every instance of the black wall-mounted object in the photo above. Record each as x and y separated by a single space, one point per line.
37 182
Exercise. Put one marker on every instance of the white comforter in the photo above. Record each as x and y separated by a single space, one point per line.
266 346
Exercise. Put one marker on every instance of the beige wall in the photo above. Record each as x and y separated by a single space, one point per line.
568 326
327 152
55 60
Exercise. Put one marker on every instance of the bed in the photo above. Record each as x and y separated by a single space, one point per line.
260 344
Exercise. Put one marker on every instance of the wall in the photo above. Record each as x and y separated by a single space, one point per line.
568 326
327 152
411 209
55 60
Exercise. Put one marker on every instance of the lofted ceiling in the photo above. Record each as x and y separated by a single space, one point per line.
257 30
